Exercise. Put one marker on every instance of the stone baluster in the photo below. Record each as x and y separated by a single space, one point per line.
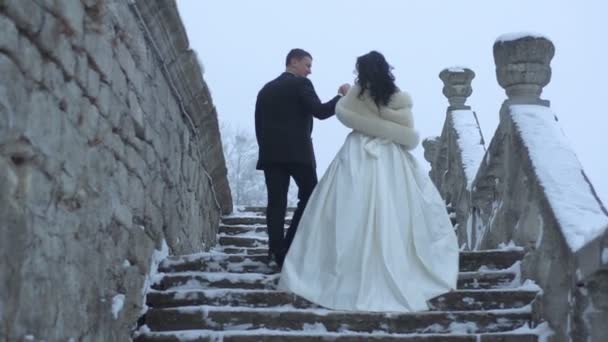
457 86
523 67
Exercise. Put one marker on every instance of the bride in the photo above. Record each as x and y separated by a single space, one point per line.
375 235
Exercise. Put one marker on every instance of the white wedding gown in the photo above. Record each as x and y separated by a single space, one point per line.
375 235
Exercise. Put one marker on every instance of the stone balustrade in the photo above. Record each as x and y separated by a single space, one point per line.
457 153
530 189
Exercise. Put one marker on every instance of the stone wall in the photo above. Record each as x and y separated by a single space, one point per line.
109 145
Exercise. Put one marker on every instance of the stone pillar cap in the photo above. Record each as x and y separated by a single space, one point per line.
457 86
523 64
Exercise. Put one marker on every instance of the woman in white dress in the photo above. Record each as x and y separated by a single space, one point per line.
375 235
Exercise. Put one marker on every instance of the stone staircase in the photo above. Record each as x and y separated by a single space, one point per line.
229 294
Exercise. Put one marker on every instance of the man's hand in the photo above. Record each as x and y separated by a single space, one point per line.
344 89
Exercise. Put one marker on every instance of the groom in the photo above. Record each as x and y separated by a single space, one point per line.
284 113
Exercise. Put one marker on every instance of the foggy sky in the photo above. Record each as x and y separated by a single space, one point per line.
242 45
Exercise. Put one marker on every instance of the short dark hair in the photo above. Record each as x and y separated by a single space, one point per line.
296 54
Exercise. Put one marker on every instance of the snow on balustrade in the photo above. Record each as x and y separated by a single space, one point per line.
456 69
470 142
578 211
519 35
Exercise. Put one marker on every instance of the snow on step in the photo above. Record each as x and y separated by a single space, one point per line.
198 280
229 294
238 241
243 230
453 301
246 261
259 210
235 220
211 262
289 318
318 333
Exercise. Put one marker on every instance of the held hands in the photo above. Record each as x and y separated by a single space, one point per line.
343 89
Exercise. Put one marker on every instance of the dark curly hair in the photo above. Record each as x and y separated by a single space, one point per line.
374 75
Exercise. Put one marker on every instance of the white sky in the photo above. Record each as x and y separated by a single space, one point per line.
242 45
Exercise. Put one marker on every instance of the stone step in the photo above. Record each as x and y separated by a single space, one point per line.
243 241
240 229
239 318
242 250
452 301
248 220
224 262
311 336
261 210
259 281
461 300
246 230
217 263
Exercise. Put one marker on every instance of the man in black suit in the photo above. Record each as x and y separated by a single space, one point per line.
284 113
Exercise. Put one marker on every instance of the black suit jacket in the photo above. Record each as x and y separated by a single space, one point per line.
284 113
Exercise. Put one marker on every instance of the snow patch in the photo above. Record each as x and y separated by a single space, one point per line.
118 303
144 329
510 246
530 285
463 327
470 142
154 276
316 327
580 214
456 69
519 35
543 331
605 255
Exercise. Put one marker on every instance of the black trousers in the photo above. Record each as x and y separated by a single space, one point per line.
277 185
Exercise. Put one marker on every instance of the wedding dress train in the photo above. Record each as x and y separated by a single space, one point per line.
375 235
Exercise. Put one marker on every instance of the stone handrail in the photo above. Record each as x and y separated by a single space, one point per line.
457 153
530 189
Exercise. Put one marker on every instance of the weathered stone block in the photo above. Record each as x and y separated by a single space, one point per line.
53 41
45 122
134 76
122 214
27 14
104 100
71 12
137 115
13 96
118 82
116 113
88 121
53 80
9 37
32 63
81 72
98 46
115 145
136 162
92 83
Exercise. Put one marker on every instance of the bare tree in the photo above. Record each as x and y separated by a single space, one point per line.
247 183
